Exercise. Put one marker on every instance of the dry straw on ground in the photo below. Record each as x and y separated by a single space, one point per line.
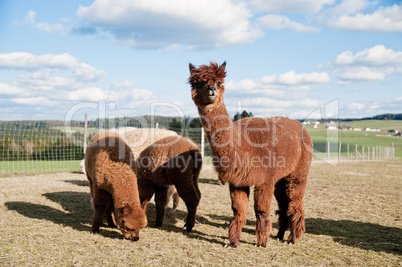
353 217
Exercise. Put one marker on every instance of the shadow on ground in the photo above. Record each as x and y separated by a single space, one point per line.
358 234
77 212
78 182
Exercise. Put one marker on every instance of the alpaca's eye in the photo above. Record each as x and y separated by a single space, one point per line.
199 86
219 84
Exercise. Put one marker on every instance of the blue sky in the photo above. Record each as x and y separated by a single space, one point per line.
302 58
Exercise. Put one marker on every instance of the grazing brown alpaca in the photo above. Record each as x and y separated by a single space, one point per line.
273 154
173 161
113 185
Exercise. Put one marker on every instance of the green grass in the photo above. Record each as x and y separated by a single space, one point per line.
37 166
353 218
381 124
321 136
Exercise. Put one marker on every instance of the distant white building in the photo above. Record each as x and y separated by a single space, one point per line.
331 127
356 129
368 129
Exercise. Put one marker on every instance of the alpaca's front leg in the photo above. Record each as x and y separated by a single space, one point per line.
161 204
101 201
239 196
262 206
110 218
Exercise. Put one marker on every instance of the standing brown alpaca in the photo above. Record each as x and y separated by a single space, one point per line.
173 161
274 155
113 185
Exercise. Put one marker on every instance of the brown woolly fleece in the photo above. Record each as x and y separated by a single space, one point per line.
171 161
113 184
272 154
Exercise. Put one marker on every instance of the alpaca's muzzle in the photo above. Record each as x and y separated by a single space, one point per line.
212 93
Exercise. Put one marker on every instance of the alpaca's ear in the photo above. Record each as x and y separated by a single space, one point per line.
144 205
223 66
191 67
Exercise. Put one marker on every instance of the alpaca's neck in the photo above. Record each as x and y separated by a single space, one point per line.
219 129
223 136
125 189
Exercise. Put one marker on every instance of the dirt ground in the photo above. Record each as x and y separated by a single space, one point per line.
353 217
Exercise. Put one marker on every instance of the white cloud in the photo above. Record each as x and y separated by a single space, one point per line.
24 60
372 64
291 78
363 74
350 7
141 94
374 106
246 85
376 55
90 94
44 26
40 101
7 89
160 24
294 6
87 73
123 96
356 106
385 19
278 22
43 80
398 99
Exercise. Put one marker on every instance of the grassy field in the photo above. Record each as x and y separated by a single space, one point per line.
37 166
320 136
353 217
381 124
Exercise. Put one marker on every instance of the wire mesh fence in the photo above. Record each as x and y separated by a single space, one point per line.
28 147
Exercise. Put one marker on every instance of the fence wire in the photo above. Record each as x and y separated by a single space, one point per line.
28 147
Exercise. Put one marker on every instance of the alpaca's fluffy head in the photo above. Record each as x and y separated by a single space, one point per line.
207 87
132 219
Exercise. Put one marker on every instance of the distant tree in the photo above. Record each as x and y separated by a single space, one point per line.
195 123
175 123
244 114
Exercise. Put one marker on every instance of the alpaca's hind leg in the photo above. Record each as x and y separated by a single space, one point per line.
176 200
110 218
296 208
191 197
262 206
145 189
239 196
101 201
283 203
161 202
294 189
172 192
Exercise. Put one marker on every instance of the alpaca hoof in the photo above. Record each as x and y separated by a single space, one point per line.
260 246
228 246
291 240
188 227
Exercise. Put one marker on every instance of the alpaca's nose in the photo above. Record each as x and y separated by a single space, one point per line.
211 90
